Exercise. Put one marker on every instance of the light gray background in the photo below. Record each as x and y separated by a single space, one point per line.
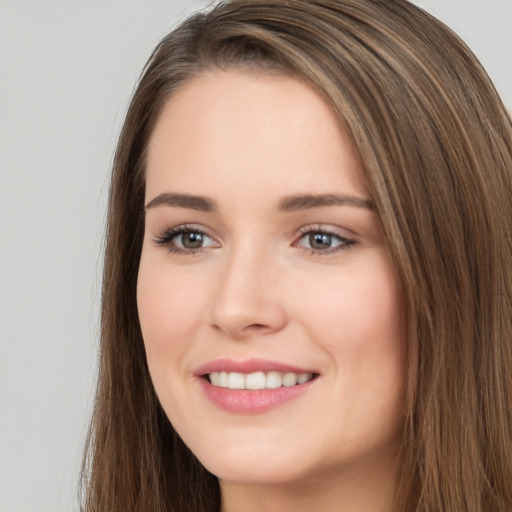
67 69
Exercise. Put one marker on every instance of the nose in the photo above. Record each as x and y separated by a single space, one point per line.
247 301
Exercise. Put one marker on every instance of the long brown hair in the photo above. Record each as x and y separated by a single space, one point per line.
436 146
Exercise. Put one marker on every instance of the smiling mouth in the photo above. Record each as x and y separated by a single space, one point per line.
258 380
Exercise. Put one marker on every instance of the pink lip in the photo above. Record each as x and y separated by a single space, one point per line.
248 366
250 401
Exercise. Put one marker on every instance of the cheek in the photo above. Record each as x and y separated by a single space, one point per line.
359 322
356 308
170 309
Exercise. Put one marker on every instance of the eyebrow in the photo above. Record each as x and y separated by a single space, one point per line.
287 204
304 202
183 201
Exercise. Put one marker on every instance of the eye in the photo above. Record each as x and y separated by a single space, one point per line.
190 240
185 240
323 241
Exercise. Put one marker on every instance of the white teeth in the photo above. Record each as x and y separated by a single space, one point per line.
236 380
223 380
258 380
215 378
274 380
255 380
289 379
304 377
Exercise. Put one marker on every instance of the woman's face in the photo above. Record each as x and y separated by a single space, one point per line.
264 267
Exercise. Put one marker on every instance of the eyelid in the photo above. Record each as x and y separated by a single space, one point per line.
327 228
164 239
346 242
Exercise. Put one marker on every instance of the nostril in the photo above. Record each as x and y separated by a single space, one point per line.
238 318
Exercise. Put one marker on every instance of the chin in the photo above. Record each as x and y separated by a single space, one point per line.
266 471
266 461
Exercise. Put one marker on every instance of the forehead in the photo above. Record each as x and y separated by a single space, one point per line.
265 132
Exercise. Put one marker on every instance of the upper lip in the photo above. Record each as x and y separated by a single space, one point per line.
248 366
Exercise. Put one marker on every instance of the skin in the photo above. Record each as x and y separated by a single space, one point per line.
256 289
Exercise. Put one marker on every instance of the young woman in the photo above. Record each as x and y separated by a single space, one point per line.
307 296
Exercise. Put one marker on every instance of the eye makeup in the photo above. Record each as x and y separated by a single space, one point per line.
187 239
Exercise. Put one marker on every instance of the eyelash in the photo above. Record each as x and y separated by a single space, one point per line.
346 243
165 240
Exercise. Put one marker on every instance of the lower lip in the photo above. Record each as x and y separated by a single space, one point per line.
251 401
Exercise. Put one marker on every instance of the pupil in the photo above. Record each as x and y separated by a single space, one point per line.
192 240
320 241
